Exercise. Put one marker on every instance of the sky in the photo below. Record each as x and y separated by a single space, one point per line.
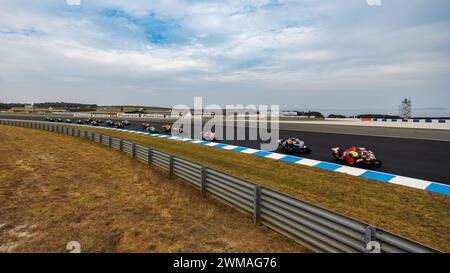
300 54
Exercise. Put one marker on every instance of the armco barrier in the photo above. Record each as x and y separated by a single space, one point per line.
317 228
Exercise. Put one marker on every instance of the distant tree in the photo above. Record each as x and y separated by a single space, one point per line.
310 114
6 106
65 105
336 116
69 106
377 116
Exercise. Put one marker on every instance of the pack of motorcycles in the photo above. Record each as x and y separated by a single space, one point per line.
352 156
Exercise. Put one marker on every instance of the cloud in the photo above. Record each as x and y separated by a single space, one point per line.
73 2
295 53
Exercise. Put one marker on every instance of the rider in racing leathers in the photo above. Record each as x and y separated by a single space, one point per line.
352 156
289 144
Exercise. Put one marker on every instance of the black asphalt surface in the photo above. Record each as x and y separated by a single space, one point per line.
416 158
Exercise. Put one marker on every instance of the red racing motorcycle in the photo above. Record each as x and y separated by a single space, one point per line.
356 156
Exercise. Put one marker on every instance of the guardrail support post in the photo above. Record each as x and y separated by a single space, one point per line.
171 165
149 156
100 139
109 141
133 150
257 205
120 145
369 238
203 181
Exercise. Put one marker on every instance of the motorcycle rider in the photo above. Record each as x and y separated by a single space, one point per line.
352 156
289 144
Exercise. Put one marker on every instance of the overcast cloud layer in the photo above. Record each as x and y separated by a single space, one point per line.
300 54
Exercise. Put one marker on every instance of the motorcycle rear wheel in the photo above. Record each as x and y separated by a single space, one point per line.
306 151
377 163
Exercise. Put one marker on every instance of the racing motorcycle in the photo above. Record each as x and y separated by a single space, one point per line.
208 136
152 130
356 155
119 125
166 127
177 129
293 145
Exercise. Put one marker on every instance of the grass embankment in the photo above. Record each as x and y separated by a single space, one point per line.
416 214
55 189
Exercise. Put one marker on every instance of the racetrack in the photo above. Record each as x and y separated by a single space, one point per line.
402 155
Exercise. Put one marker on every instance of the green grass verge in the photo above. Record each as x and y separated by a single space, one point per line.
416 214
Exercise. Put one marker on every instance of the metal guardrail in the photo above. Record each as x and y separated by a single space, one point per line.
317 228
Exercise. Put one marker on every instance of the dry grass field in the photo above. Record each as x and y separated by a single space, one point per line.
415 214
55 189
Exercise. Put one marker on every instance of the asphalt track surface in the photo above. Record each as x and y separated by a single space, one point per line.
416 158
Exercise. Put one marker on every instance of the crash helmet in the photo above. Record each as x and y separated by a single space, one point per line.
353 153
289 141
